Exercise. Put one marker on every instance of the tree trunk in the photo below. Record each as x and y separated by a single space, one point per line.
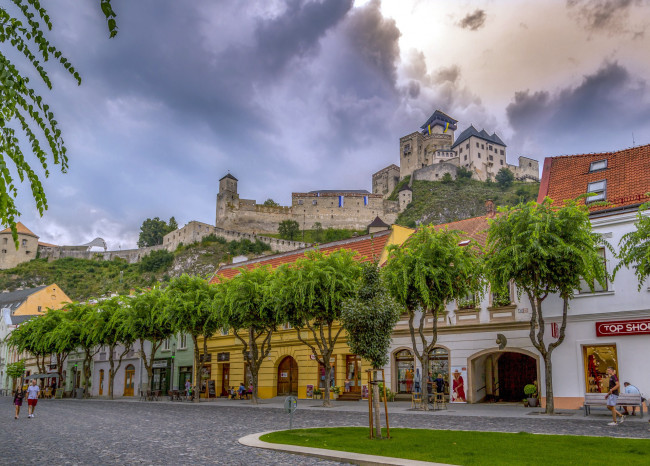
424 378
548 370
197 368
111 372
328 377
376 397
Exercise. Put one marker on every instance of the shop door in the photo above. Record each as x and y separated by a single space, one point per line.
101 382
225 379
288 377
352 372
129 380
515 371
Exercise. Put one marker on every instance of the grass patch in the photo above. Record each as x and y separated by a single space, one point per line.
473 448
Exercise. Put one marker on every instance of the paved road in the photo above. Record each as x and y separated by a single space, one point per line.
122 432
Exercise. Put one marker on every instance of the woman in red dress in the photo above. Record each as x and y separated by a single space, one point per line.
458 388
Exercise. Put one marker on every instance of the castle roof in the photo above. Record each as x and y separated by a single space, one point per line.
471 131
377 222
626 174
440 118
342 191
22 230
368 247
228 176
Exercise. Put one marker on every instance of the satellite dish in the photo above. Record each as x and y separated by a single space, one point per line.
502 341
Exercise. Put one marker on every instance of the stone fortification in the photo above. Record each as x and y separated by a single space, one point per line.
348 209
130 255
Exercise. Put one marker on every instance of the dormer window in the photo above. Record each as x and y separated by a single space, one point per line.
598 165
599 190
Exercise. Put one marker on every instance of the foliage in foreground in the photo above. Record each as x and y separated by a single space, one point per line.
635 247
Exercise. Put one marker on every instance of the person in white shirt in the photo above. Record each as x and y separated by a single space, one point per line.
32 398
631 389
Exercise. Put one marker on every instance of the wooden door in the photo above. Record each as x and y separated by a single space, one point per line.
225 379
129 380
352 372
288 377
515 371
101 382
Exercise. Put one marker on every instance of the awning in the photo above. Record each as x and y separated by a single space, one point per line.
42 376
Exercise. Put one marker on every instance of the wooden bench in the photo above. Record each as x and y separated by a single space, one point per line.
600 399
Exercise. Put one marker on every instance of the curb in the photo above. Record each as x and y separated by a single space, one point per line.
253 440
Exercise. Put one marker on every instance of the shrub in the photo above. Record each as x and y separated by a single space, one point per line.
156 260
530 390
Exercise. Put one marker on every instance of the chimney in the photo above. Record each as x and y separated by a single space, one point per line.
489 208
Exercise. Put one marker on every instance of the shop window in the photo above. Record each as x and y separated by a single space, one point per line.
596 360
584 287
439 368
321 374
404 363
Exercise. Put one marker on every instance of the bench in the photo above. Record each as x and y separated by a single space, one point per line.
600 399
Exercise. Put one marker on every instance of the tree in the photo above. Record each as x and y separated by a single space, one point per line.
189 309
248 309
318 232
429 271
311 293
156 260
504 178
544 250
463 174
270 203
22 107
31 337
446 178
144 323
289 229
369 319
634 247
61 346
16 369
153 230
107 329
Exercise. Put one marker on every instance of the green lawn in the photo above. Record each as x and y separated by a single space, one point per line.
470 448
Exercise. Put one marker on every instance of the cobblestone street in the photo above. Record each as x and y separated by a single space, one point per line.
126 432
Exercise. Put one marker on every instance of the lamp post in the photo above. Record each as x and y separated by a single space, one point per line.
172 365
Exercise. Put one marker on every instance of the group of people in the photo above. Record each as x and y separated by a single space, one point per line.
612 397
242 392
31 393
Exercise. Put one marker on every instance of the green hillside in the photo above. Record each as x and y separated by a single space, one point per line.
442 202
85 278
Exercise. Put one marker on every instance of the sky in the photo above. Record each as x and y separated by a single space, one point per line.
299 95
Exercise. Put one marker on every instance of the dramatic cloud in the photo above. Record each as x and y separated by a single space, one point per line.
604 15
473 21
610 105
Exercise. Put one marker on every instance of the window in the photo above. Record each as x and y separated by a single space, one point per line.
461 151
482 146
467 146
287 326
314 202
584 287
501 162
4 241
166 344
478 145
596 360
24 242
490 157
224 332
598 165
479 155
4 251
182 341
465 157
501 151
599 188
467 302
299 201
489 147
40 308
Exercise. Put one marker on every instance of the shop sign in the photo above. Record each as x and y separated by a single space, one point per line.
222 357
623 327
160 363
284 375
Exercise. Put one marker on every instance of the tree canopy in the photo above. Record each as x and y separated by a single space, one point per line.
635 247
505 177
153 230
289 229
25 117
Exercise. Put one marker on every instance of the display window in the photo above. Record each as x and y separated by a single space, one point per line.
596 361
206 372
321 375
404 364
439 368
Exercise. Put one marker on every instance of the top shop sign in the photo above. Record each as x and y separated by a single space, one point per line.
623 327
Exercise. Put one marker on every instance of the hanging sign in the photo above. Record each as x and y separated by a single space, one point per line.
623 327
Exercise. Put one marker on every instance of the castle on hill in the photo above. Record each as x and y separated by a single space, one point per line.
431 152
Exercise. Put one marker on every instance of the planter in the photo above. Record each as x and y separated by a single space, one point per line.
318 396
533 402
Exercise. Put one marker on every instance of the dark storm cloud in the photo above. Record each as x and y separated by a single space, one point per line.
473 21
603 15
607 105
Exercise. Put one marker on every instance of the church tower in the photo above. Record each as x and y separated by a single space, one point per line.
227 196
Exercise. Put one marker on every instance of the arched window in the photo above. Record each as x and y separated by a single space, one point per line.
404 365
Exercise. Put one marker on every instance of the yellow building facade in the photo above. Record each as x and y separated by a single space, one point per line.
40 300
291 368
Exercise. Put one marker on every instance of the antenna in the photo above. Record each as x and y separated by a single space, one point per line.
633 139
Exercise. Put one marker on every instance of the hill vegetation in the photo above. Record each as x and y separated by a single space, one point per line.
451 200
85 278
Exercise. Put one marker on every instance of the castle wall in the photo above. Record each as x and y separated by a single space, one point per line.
436 171
130 255
418 150
10 257
527 170
385 180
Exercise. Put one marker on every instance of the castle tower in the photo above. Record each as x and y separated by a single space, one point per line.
227 195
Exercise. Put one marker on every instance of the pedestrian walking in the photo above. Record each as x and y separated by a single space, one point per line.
612 396
32 398
631 389
19 394
188 387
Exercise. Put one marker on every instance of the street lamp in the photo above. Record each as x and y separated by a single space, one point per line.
172 365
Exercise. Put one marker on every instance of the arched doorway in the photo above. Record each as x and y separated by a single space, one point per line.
404 369
439 369
129 380
515 371
288 377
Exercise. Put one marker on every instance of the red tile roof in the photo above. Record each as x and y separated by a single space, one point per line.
21 229
475 228
368 247
627 175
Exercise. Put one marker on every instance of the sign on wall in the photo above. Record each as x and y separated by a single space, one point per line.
623 327
458 385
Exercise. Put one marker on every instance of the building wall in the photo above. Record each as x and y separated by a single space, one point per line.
418 150
385 180
436 171
483 158
527 170
50 297
10 257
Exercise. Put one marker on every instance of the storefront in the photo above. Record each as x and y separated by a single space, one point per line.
161 373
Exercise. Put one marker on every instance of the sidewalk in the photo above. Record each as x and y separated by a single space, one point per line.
484 410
